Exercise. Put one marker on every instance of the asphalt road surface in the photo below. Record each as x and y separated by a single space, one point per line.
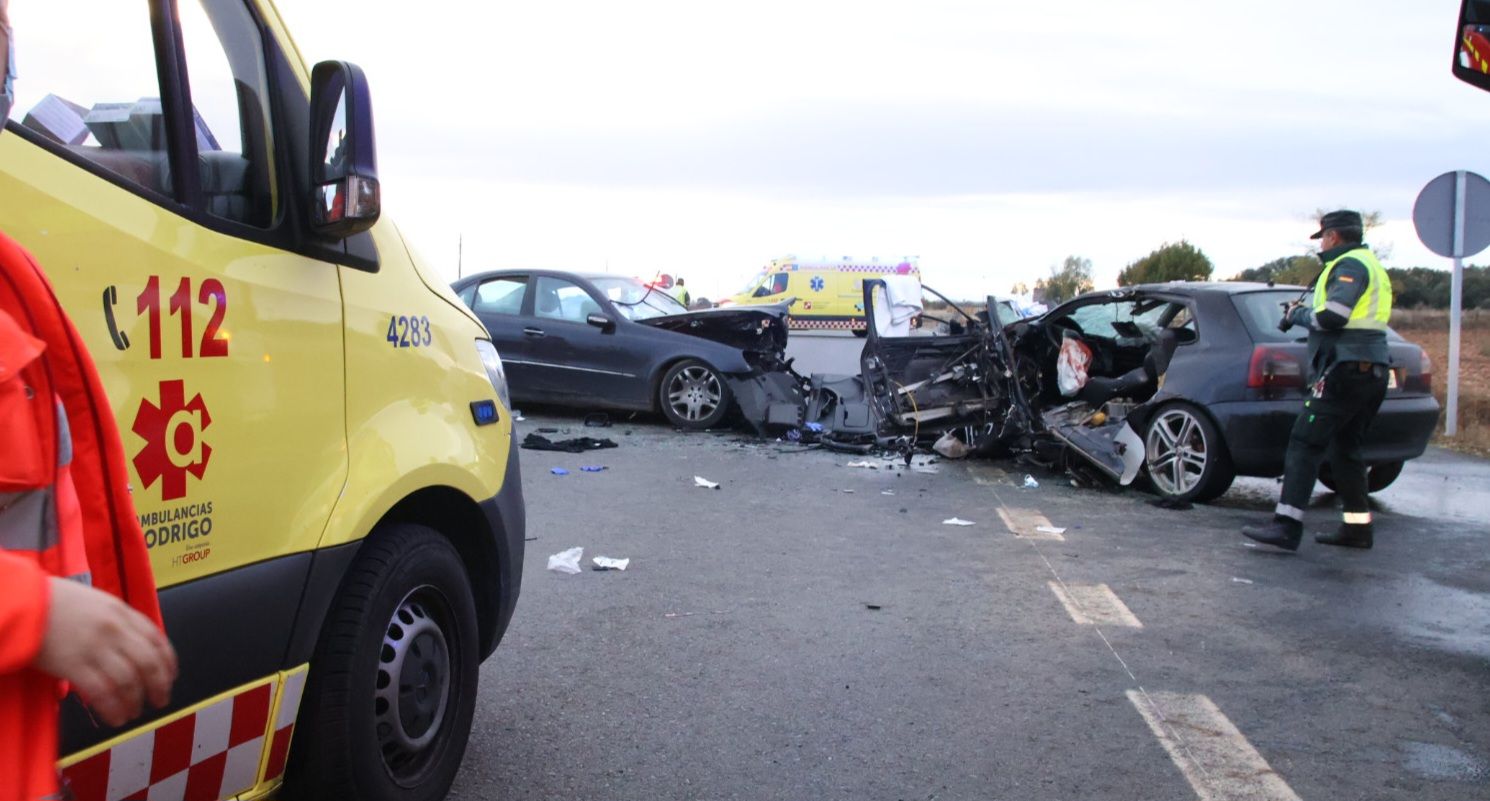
814 631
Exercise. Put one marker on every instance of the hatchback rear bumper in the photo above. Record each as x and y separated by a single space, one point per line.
1256 432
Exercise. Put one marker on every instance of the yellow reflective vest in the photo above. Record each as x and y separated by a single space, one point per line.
1374 307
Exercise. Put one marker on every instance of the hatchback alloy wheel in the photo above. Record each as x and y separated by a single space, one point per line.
1177 452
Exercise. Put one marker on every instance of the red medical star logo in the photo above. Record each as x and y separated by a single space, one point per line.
173 439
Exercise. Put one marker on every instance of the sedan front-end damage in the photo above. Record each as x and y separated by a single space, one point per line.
770 394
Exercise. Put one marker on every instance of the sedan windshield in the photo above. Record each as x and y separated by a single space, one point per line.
637 300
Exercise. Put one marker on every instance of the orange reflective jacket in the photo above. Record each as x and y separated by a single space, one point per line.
65 509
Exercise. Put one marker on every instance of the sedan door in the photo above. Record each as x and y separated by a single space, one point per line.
577 362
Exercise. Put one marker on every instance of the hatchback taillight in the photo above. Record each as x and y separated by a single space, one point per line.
1423 381
1272 368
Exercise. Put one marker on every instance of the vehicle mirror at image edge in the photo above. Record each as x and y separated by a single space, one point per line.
1472 44
602 322
344 164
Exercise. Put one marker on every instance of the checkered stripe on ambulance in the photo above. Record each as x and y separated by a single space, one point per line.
211 752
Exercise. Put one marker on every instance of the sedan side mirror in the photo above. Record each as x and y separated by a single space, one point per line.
344 162
602 322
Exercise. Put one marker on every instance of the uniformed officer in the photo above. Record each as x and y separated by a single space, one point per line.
1348 363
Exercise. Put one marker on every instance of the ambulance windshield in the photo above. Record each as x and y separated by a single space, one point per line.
753 283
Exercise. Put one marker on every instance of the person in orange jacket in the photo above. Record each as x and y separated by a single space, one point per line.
79 607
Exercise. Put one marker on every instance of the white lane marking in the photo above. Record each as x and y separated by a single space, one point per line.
1213 756
1026 523
1094 604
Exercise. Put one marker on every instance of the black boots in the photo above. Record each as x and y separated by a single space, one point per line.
1349 535
1283 532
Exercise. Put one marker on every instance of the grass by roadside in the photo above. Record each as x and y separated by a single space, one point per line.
1429 328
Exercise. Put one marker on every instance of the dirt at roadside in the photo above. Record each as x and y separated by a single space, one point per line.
1430 329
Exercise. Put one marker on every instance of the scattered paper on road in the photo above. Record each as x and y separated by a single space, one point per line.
957 521
1050 529
700 481
566 561
1241 580
607 563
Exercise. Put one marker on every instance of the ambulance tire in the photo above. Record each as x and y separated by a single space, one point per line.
403 623
861 332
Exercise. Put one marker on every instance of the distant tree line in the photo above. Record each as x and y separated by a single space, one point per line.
1412 287
1180 261
1071 278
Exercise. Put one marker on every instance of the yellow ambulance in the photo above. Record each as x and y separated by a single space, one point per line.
828 294
321 453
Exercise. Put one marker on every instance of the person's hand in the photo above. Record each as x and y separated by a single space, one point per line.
115 658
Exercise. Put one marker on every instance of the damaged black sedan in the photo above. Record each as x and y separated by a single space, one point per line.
1189 384
598 341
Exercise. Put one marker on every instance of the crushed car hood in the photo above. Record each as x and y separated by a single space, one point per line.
759 329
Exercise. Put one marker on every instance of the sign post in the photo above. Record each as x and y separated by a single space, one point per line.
1452 216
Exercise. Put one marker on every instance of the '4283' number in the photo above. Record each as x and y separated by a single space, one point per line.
409 332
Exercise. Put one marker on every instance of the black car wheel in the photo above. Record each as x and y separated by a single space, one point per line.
1185 457
693 395
1378 476
392 685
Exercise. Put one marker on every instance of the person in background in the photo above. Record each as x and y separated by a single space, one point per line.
680 292
78 608
1348 363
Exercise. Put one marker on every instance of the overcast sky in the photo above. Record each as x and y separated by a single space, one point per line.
988 138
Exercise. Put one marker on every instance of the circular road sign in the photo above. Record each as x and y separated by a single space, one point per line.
1433 214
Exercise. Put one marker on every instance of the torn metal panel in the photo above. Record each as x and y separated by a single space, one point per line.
769 400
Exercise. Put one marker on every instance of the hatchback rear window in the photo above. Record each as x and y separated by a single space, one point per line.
1261 312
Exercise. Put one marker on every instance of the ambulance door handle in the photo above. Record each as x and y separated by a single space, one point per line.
536 333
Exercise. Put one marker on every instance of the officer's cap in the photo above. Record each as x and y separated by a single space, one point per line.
1338 219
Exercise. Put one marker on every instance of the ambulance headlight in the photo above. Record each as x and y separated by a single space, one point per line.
494 370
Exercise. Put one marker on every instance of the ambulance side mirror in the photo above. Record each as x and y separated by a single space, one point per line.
1472 44
343 157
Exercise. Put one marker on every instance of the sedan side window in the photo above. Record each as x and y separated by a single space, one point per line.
501 295
557 299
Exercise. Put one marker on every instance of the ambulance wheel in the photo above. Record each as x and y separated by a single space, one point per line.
392 686
861 332
693 395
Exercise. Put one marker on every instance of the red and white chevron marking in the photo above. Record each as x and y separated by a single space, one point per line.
211 754
284 725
